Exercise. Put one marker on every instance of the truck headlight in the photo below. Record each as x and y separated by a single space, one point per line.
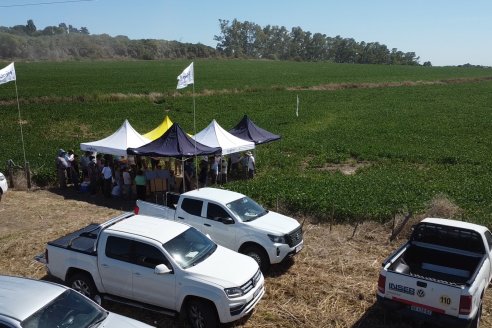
234 292
277 239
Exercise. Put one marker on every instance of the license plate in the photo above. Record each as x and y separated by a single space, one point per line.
421 310
299 247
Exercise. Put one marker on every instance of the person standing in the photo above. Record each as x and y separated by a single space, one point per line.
141 184
223 170
94 174
127 183
61 169
251 165
107 175
215 169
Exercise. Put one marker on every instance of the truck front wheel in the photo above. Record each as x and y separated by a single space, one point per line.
259 255
83 283
202 314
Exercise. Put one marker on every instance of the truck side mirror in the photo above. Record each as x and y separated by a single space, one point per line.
161 269
227 220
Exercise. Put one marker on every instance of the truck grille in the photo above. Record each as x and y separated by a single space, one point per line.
251 283
295 237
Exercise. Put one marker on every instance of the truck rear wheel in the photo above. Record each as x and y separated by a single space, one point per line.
476 321
202 314
83 283
259 255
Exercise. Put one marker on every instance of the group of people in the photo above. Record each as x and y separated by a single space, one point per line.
124 176
216 169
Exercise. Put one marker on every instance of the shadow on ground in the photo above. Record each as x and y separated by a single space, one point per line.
116 203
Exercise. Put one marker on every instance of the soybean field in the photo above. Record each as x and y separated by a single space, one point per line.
369 141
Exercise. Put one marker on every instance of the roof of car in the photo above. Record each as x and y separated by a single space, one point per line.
221 196
158 229
21 297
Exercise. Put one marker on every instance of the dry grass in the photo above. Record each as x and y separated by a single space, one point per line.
331 283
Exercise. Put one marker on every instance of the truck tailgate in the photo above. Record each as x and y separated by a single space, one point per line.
151 209
423 295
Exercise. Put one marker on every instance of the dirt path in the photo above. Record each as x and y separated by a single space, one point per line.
331 283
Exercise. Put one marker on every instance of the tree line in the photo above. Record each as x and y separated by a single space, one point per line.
236 40
65 42
249 40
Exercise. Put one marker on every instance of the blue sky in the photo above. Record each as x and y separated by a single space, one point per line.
445 32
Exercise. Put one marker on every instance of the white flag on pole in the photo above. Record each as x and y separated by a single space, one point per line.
7 74
297 109
186 78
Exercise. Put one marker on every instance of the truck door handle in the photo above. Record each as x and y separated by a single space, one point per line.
137 274
180 217
105 265
206 224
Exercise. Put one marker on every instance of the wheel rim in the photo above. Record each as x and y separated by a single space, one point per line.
255 257
196 317
82 287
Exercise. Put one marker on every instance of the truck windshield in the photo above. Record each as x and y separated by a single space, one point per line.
246 209
70 309
190 248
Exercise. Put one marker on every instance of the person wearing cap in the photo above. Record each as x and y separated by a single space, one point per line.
251 165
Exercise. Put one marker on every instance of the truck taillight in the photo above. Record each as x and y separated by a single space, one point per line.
136 209
46 255
382 284
465 304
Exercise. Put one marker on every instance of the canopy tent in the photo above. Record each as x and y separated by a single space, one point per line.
215 136
118 142
247 130
159 131
173 143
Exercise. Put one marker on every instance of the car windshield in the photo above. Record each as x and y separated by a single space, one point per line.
246 209
69 310
190 248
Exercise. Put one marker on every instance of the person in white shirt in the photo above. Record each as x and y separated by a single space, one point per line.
251 165
107 174
127 183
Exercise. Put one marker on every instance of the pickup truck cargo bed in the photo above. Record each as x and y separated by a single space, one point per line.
81 240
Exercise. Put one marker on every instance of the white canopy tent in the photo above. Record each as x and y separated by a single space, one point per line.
215 136
117 143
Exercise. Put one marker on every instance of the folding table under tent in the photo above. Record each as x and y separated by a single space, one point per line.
117 143
159 131
249 131
215 136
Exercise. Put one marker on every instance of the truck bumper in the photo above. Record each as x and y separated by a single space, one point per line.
282 251
438 319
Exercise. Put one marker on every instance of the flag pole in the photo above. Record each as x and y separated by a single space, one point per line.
20 122
194 134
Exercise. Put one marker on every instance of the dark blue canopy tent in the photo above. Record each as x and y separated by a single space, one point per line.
174 143
247 130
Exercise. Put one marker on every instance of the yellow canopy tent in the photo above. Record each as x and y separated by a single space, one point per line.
159 131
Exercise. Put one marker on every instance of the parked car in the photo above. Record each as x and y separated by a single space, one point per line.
235 221
160 265
441 274
3 185
30 303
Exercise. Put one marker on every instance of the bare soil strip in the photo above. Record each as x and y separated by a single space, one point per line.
158 96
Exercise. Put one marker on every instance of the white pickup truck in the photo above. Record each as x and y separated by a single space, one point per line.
440 275
159 265
234 221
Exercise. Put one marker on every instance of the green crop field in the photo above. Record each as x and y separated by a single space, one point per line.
413 132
